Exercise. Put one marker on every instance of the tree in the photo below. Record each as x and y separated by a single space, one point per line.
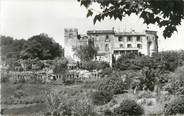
164 13
86 53
126 61
41 46
10 47
60 66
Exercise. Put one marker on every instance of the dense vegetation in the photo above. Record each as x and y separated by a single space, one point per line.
129 108
39 46
132 86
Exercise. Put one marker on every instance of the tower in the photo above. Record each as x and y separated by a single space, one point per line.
70 41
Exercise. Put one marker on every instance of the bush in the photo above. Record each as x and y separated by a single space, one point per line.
19 93
129 108
113 85
176 84
106 72
94 65
101 97
145 94
68 81
175 106
4 79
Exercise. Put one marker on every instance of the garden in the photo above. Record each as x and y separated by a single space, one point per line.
133 85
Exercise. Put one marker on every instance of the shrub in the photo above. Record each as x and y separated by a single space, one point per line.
4 78
106 72
68 81
94 65
176 84
175 106
66 104
113 85
19 93
101 97
145 94
82 107
129 108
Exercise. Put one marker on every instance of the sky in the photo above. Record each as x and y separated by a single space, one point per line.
25 18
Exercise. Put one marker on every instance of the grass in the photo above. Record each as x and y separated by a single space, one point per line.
31 91
36 90
26 110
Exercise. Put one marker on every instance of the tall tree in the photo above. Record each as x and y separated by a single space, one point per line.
10 47
41 46
164 13
86 52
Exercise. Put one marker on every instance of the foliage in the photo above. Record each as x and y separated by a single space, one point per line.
60 66
149 79
67 104
125 62
169 60
4 78
106 72
164 13
113 85
165 61
85 53
101 97
94 65
19 94
175 106
41 46
129 108
37 64
68 80
145 94
176 83
52 101
10 47
38 46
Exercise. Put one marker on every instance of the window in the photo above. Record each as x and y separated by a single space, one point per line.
138 38
129 38
115 52
97 47
129 45
107 38
139 46
70 35
120 38
121 45
106 47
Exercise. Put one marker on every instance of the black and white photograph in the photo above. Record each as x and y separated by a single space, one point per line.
92 57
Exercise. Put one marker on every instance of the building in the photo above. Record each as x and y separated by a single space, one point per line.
73 40
111 42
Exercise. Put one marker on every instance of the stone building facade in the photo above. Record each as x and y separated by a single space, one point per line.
111 42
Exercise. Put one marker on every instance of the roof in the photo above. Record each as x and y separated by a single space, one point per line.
100 32
129 33
125 49
151 32
101 54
